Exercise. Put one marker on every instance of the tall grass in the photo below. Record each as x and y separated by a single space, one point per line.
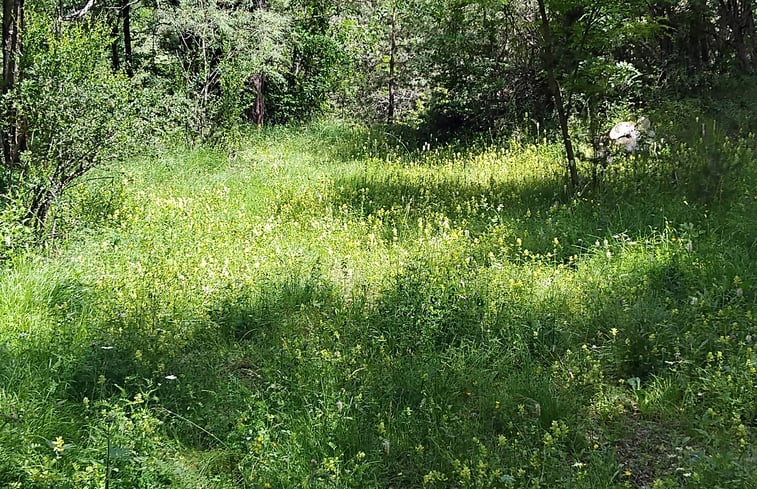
321 307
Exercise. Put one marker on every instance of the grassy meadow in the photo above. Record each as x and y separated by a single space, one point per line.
323 306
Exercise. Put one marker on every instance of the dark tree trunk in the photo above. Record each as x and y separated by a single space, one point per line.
115 60
13 24
661 12
258 106
556 94
695 43
39 208
126 14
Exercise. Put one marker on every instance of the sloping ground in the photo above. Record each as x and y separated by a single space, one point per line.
314 310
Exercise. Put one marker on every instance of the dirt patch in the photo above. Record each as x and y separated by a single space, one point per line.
651 451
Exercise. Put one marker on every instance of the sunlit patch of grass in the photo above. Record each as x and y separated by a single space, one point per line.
315 307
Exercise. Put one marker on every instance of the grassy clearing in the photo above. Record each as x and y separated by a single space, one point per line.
316 309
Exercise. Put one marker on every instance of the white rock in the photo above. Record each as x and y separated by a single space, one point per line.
622 129
628 133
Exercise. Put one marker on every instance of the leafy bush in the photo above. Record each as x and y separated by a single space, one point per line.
78 114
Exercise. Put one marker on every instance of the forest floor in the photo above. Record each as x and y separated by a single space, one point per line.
314 308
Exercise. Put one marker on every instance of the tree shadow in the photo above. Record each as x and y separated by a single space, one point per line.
445 357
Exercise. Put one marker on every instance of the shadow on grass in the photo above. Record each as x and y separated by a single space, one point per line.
332 369
446 358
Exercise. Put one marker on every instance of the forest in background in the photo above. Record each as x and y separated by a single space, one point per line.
396 244
88 82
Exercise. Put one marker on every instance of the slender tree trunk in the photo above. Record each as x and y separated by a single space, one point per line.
10 40
13 24
115 37
751 33
555 88
39 209
126 14
704 48
258 108
392 64
661 12
257 111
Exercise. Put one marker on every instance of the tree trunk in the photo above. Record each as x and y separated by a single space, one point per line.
13 24
555 88
751 33
115 37
258 107
42 200
257 111
126 14
661 12
392 64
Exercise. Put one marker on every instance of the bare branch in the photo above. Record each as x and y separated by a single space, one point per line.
79 13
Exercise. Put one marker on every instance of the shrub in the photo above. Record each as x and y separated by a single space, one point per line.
78 114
